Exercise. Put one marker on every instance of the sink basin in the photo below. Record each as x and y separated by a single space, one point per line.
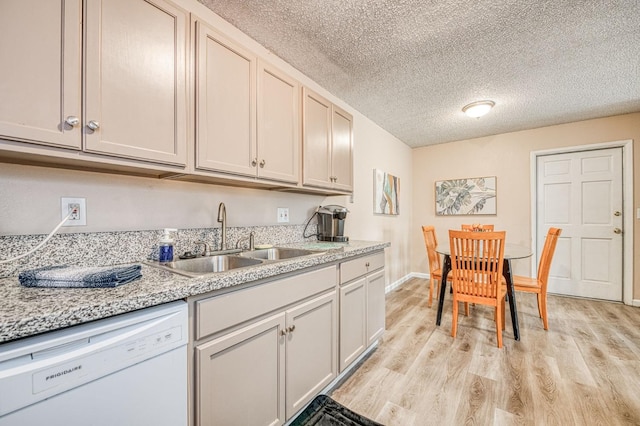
207 265
277 253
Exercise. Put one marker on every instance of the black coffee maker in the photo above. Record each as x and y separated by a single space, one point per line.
331 223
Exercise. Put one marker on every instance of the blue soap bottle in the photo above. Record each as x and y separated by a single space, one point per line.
165 253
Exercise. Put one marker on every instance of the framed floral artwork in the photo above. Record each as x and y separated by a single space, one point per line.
470 196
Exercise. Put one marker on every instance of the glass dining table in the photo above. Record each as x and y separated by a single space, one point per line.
511 251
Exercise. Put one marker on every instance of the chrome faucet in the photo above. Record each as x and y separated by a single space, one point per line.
222 218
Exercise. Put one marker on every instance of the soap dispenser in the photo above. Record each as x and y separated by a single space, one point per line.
165 253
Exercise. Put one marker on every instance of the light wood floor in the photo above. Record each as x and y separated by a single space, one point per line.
584 371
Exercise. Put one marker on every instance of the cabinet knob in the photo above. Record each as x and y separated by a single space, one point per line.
262 163
72 121
617 231
367 264
290 329
283 332
93 125
254 162
617 213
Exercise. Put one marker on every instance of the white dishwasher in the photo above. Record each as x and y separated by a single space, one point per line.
130 369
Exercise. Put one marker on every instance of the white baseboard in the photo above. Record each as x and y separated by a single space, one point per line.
636 303
404 279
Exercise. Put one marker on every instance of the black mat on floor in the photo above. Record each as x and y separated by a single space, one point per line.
324 411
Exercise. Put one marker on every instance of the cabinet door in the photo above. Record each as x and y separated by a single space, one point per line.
311 350
278 130
240 376
135 87
341 149
225 104
40 79
375 306
353 311
316 116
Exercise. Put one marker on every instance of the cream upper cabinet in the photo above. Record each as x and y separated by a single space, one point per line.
327 144
225 104
247 112
278 152
135 81
40 76
342 149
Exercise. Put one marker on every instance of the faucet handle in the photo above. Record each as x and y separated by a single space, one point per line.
206 249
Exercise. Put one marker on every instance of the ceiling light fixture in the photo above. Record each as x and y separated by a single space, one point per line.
478 109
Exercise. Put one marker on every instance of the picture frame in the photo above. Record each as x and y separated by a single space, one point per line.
386 193
466 196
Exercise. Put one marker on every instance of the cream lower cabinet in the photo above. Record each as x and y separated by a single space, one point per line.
362 306
264 370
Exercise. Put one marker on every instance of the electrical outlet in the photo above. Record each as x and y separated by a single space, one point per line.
283 214
77 218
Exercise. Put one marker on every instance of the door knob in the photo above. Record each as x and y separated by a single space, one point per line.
617 213
617 231
93 125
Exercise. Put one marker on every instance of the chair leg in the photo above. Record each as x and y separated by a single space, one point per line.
430 292
499 320
454 322
543 305
503 314
539 304
466 309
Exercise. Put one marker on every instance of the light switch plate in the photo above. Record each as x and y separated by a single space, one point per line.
283 214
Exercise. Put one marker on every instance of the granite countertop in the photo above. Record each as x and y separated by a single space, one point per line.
29 311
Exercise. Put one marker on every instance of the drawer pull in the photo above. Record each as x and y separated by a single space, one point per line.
367 264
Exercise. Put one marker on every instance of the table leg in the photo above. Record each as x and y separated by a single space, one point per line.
446 267
511 295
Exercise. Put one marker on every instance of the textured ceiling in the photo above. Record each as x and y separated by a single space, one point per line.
411 65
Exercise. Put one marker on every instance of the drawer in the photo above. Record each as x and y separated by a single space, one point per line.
221 312
361 266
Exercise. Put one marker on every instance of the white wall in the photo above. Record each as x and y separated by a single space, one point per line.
377 149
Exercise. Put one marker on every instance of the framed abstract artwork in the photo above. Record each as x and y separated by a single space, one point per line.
386 193
469 196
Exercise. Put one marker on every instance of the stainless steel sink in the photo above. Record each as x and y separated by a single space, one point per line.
277 253
207 265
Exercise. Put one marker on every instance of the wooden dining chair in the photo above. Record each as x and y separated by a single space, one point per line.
476 272
538 285
435 268
475 227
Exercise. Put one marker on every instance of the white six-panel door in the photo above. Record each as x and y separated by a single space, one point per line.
581 192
